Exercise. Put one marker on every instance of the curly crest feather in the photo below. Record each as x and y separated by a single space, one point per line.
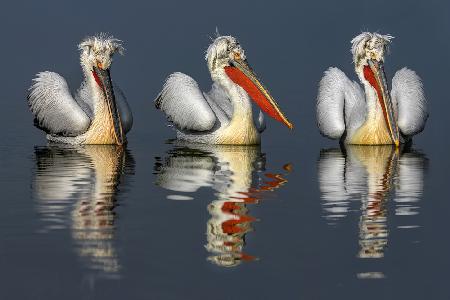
218 52
102 41
365 40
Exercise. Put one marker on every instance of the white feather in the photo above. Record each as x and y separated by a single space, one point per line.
339 102
220 97
54 108
184 104
409 98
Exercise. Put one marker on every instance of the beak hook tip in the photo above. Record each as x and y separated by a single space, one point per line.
289 124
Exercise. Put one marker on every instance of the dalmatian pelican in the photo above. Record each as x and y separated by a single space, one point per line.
223 115
378 117
97 114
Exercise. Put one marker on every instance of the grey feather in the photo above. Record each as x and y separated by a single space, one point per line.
54 108
339 102
124 109
219 96
409 99
220 104
85 99
184 104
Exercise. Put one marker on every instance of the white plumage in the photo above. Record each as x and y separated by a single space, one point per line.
224 114
191 113
340 100
98 108
54 108
345 111
409 99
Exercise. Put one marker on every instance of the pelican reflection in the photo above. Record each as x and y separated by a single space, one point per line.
76 188
367 177
237 174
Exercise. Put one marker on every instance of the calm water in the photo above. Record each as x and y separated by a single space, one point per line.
297 217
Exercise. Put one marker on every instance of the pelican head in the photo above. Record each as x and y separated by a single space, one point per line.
96 58
226 58
97 51
222 52
369 46
368 51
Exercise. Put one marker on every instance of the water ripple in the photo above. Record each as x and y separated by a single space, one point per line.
371 176
237 174
75 188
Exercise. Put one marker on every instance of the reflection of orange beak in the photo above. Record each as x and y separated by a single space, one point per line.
241 74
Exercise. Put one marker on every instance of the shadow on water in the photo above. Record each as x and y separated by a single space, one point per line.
76 188
238 176
364 179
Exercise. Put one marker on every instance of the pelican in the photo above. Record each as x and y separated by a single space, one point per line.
224 114
379 117
99 112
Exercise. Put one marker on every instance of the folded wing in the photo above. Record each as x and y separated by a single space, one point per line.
54 108
184 104
339 102
126 116
409 99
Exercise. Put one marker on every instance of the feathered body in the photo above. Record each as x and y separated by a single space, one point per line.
223 115
373 115
99 112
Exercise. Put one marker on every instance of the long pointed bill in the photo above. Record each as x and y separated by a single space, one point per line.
103 79
241 74
374 74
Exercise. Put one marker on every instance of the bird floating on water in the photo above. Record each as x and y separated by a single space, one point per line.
379 117
99 112
224 114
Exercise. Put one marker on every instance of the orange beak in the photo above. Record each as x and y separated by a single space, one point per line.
241 74
103 79
374 73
